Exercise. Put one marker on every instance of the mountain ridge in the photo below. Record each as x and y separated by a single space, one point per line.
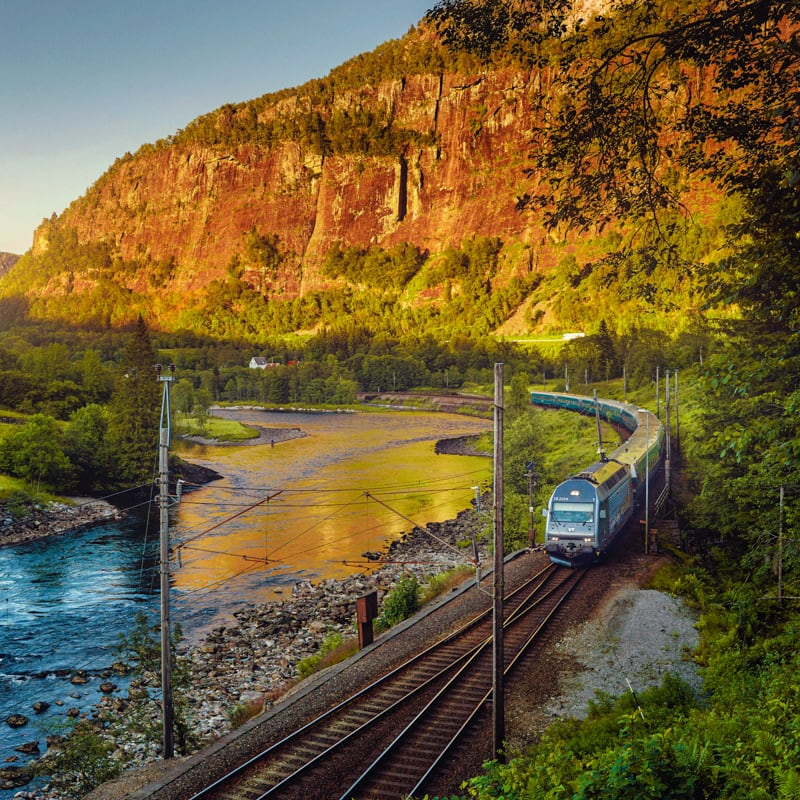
245 205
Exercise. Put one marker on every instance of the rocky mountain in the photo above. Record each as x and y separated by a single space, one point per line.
7 260
405 146
196 203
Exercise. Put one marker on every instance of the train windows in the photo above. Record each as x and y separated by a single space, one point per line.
572 512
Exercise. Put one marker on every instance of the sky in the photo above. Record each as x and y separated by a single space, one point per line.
84 82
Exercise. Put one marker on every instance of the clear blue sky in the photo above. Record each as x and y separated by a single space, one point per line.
83 82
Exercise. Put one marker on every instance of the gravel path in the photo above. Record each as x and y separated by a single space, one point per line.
642 635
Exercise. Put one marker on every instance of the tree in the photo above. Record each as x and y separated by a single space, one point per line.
95 377
655 87
183 396
86 445
485 28
265 255
135 410
517 396
35 453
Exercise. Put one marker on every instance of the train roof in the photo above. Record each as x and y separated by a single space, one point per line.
600 471
646 428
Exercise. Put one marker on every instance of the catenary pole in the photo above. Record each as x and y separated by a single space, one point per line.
166 654
498 702
677 418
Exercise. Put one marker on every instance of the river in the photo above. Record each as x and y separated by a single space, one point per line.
307 508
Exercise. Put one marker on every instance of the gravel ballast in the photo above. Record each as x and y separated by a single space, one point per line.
639 636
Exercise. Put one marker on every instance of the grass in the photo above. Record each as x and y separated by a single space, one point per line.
242 712
8 485
16 496
10 422
334 649
445 582
223 430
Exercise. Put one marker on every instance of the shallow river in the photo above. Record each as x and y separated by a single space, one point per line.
306 508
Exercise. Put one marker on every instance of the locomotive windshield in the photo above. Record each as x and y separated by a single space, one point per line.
572 512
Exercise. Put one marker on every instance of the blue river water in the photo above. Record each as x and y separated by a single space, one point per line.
65 601
63 604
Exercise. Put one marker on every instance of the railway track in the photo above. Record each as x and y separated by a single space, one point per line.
412 718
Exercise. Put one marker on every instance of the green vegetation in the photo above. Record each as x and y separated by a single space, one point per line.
402 602
83 758
141 649
243 712
443 582
334 648
211 427
651 111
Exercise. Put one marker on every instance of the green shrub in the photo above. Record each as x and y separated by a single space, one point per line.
400 603
82 760
333 649
242 712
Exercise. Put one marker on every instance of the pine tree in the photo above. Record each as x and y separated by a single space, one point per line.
135 409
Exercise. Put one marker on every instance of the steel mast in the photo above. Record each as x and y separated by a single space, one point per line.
163 500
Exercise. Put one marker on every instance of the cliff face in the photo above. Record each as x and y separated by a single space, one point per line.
196 204
7 260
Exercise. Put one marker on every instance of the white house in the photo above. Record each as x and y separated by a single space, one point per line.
259 362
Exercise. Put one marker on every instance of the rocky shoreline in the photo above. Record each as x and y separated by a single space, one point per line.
246 666
55 519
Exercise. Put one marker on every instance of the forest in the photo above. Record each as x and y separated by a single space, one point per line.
714 298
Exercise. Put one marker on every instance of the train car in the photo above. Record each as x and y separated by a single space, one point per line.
587 512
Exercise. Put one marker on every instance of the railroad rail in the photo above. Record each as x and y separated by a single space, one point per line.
414 716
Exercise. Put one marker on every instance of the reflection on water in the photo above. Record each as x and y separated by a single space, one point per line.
311 507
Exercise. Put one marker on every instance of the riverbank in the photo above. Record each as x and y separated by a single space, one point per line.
55 519
250 664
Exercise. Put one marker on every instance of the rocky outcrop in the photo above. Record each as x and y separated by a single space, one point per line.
7 260
195 204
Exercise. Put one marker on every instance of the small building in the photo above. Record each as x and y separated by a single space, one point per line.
259 362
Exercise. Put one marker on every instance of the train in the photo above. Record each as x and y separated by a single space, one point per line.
588 511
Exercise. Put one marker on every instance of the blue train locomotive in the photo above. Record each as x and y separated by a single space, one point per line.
587 512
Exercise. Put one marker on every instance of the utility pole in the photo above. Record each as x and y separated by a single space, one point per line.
647 487
163 499
658 402
780 549
668 459
498 704
600 449
677 418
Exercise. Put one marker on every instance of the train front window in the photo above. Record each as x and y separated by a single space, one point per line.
572 512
